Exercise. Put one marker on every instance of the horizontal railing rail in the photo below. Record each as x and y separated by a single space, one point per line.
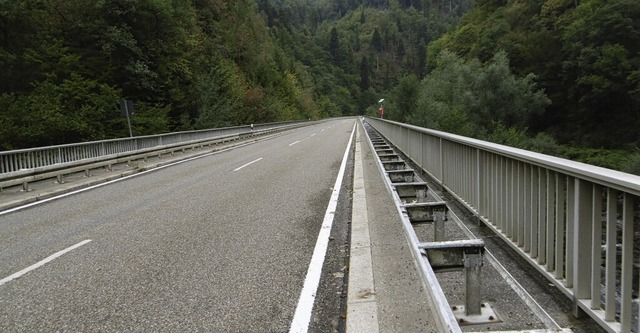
32 158
572 221
27 165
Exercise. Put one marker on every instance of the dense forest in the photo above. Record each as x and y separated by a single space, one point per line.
557 76
583 54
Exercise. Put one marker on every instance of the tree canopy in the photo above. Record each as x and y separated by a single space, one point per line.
585 55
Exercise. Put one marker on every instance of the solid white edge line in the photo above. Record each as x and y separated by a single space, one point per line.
302 315
42 262
248 164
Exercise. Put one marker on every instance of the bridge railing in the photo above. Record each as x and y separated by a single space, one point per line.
41 157
25 166
572 221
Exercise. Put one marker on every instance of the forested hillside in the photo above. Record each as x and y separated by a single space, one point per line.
558 76
185 64
199 64
584 55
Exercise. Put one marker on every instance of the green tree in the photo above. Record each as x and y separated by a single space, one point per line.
334 45
405 97
77 109
376 40
365 72
602 56
475 100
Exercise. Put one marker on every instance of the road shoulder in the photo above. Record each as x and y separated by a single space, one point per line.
396 301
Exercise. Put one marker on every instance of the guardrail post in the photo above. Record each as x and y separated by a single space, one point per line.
472 270
421 195
440 216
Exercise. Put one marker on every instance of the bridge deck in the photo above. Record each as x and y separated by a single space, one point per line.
397 295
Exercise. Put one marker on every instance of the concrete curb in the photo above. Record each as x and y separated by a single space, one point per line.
362 309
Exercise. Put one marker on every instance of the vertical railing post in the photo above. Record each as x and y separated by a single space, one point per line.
551 220
561 224
582 229
479 182
442 182
571 202
542 218
521 205
596 240
535 198
502 196
610 259
626 278
527 207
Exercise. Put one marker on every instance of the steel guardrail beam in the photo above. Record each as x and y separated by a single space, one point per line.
47 163
21 159
445 319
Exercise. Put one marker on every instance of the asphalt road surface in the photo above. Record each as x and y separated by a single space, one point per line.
221 243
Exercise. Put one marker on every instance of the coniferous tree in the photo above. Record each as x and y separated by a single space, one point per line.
365 79
334 45
376 40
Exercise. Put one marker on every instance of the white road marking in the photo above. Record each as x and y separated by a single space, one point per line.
42 262
302 316
15 209
245 165
295 142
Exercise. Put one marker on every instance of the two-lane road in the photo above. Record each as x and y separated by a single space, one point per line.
220 243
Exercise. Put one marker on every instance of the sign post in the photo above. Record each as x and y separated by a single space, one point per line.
127 110
381 109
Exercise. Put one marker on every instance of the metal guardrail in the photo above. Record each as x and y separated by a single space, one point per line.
26 165
445 320
22 159
572 221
